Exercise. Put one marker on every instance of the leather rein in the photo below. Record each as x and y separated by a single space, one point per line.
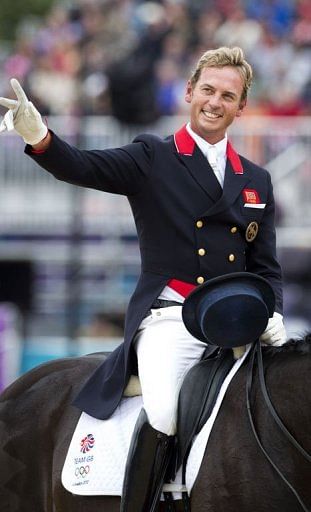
256 353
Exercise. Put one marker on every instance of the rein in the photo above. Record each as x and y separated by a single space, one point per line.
256 351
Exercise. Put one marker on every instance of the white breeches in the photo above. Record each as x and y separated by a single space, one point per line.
165 352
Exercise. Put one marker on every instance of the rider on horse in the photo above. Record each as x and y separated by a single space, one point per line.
201 211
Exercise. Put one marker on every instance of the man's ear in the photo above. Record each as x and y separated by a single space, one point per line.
241 108
189 92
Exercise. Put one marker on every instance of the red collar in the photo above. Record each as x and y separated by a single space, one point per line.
185 145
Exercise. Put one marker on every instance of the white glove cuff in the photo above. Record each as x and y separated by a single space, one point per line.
278 315
37 136
7 122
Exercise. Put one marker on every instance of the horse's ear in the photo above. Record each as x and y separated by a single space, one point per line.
307 338
302 345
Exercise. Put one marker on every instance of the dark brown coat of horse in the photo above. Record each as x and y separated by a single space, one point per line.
37 422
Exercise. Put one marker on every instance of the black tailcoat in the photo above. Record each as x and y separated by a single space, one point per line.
170 187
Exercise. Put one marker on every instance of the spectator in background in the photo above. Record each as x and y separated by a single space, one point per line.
132 79
85 50
270 63
301 32
20 62
276 15
238 29
170 86
206 26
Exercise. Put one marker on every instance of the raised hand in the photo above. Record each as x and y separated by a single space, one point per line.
22 116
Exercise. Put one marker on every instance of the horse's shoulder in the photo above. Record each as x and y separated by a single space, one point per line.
292 359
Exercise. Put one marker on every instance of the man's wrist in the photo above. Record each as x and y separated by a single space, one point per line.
44 143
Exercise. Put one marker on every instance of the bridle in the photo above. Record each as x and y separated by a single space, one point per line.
256 353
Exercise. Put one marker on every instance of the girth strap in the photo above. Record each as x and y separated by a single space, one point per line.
198 395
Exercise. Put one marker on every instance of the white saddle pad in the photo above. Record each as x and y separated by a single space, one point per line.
96 458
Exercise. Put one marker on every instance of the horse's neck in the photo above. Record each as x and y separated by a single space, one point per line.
287 377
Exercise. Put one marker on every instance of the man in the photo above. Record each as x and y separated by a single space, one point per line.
201 211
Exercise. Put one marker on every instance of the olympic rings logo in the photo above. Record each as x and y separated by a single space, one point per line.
82 471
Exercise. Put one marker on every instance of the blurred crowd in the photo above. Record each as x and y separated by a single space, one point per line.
131 58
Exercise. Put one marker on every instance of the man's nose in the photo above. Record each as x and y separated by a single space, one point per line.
214 101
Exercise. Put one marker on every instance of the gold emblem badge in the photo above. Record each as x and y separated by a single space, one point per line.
251 231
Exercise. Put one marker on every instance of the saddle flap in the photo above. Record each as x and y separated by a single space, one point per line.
197 397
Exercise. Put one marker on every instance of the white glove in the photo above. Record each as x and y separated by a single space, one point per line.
275 333
23 117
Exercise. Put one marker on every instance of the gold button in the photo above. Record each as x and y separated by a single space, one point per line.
234 229
199 224
200 280
201 252
231 257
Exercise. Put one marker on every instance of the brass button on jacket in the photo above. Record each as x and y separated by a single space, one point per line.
231 257
199 224
234 229
201 252
200 280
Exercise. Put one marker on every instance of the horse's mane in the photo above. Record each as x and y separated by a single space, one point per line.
297 345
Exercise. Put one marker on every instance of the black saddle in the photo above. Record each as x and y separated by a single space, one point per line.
198 395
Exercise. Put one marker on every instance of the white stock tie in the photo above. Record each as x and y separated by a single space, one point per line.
212 159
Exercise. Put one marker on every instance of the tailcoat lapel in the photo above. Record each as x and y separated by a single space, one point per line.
233 185
202 172
236 177
197 164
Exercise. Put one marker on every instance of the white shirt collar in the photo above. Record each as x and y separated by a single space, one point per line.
221 146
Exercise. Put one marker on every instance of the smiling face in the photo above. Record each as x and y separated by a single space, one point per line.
215 100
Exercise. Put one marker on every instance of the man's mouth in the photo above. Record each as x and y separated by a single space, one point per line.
211 115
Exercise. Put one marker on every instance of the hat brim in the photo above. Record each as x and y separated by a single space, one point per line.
190 306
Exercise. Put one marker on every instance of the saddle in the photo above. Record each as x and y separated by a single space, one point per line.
198 395
112 436
197 398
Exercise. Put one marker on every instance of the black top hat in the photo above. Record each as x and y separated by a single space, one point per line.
229 310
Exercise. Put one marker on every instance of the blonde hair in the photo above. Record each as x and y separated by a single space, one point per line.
221 57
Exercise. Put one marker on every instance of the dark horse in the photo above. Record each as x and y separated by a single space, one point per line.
37 421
